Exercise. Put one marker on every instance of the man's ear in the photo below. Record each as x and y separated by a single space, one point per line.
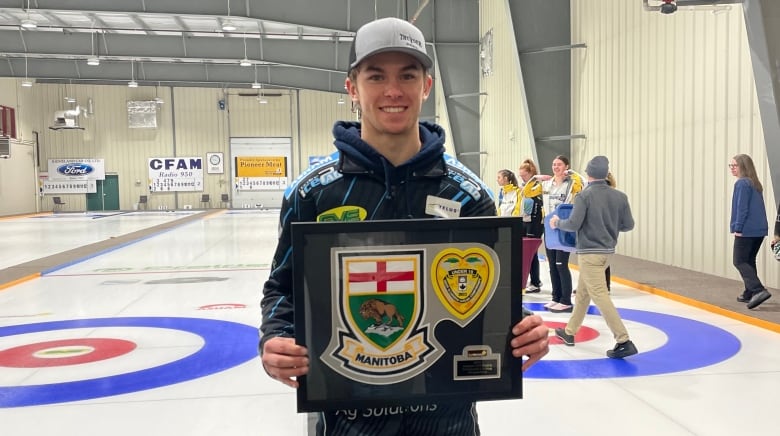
427 86
351 88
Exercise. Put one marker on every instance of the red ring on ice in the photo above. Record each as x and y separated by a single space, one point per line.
64 352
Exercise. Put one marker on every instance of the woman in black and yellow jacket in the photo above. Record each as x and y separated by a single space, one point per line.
531 210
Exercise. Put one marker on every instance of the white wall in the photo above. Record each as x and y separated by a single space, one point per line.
190 123
504 130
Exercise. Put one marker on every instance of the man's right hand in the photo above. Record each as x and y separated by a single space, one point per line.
284 360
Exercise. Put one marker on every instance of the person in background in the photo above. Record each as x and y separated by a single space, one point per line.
612 183
776 238
600 213
531 211
561 188
749 227
508 199
389 165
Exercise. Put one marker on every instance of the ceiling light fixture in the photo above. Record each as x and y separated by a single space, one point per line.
256 84
27 23
228 26
93 60
26 83
245 62
132 83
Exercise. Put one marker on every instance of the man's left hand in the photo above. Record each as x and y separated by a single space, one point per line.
530 340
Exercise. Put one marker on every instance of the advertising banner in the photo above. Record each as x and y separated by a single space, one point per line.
77 169
261 173
167 174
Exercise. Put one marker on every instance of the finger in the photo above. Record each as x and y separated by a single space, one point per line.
287 376
540 346
288 381
282 361
527 324
533 358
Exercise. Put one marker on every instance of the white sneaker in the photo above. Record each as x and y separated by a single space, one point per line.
550 304
532 289
560 308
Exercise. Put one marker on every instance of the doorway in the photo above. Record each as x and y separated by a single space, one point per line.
106 196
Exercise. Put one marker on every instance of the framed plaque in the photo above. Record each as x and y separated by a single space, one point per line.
403 313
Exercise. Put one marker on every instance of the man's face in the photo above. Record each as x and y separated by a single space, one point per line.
390 89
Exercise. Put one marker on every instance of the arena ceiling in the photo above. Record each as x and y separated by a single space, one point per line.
301 44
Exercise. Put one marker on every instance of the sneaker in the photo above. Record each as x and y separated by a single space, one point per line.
560 308
757 299
550 304
533 289
744 297
566 338
622 350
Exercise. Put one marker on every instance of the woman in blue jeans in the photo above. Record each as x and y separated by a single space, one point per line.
749 226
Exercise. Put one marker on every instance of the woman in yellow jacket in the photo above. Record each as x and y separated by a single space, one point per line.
509 195
533 217
559 189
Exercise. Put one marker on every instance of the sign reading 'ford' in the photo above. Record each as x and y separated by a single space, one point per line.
75 169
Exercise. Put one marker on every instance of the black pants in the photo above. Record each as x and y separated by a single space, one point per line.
745 252
560 275
534 273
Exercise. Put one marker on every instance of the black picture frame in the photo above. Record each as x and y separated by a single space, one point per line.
427 323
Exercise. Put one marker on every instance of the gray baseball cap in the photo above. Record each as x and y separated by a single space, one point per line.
388 34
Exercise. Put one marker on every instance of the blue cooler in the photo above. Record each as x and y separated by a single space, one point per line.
557 239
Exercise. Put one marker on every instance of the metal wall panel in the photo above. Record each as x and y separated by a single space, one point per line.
505 135
106 135
670 99
318 112
199 127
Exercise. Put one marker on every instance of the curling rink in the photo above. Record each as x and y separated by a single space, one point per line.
157 336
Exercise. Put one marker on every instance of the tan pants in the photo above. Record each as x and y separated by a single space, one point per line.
593 285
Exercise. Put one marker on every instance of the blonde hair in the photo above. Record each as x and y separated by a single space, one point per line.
529 166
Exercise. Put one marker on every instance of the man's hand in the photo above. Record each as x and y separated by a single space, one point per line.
283 360
530 340
554 221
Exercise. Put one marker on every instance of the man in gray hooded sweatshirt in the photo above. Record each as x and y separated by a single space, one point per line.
600 212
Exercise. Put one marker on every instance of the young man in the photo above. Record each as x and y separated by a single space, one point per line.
385 167
600 213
